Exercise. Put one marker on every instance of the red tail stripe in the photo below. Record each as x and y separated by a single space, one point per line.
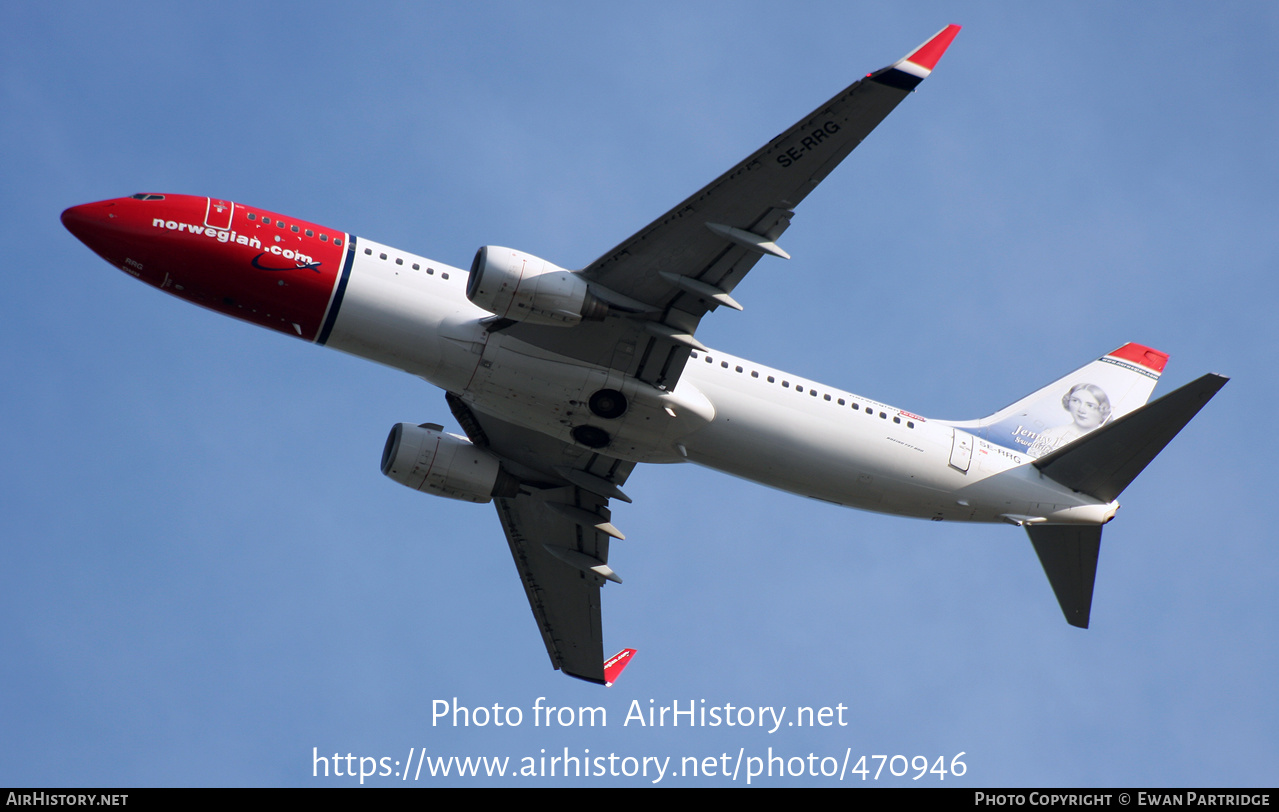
1150 359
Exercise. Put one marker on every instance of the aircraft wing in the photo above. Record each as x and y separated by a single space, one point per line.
559 532
689 260
658 284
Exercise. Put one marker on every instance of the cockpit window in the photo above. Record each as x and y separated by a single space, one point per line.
145 196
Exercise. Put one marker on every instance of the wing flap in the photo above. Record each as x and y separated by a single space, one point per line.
565 599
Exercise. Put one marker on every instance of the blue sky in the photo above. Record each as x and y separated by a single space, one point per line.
205 576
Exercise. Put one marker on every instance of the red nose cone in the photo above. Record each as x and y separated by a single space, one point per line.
79 220
93 224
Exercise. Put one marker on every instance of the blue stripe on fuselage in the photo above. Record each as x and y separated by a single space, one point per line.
332 315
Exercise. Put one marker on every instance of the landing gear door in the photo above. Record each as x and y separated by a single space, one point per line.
961 452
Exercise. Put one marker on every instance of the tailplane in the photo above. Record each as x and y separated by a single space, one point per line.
1109 459
1068 553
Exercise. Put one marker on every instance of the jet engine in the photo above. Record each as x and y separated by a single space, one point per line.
427 459
521 287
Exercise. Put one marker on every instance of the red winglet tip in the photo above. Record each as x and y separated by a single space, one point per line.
614 665
1153 360
928 54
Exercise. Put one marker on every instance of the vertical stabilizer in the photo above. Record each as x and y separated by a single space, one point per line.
1067 409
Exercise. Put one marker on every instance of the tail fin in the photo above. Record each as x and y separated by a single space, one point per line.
1090 397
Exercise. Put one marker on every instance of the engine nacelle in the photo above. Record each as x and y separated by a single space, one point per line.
427 459
521 287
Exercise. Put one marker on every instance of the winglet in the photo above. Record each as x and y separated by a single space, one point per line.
914 68
926 55
614 665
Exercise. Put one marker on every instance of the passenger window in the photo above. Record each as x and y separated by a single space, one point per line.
252 216
399 261
368 251
324 238
337 240
294 229
310 233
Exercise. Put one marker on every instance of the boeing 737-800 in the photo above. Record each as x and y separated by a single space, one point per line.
563 380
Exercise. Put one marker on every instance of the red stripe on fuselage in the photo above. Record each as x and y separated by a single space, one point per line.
274 271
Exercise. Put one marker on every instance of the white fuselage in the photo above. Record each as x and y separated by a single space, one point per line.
726 413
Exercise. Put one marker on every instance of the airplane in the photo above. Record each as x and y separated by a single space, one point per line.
563 380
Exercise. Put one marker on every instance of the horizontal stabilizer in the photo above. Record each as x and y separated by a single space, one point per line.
1103 463
1068 553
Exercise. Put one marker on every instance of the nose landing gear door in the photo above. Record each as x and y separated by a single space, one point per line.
218 214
